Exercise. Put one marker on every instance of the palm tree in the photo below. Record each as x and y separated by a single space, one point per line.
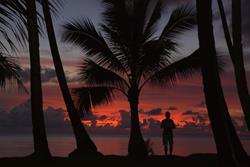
127 54
23 17
24 26
236 54
41 149
85 145
229 148
9 70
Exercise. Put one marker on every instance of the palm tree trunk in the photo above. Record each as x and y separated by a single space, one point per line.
136 147
229 148
236 54
85 146
41 148
225 28
238 60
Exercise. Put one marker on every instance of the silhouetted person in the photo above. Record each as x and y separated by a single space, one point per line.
168 125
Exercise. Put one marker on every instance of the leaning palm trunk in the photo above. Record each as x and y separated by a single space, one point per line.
40 139
238 61
84 144
236 54
229 148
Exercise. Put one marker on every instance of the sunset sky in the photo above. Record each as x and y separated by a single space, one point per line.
185 100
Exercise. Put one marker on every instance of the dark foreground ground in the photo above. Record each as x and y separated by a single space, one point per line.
197 160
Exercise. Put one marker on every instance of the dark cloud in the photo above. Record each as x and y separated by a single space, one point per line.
190 112
153 112
55 117
92 117
25 74
124 119
89 116
172 108
202 104
103 117
151 123
20 117
198 119
240 123
47 74
189 124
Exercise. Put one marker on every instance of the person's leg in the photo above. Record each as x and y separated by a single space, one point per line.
171 149
165 143
171 145
166 149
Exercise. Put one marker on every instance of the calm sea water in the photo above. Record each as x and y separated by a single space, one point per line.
60 146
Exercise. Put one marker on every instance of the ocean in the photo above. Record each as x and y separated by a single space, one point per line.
17 146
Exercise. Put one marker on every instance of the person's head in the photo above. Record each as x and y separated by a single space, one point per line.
167 114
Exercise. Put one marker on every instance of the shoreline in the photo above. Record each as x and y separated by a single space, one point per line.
206 160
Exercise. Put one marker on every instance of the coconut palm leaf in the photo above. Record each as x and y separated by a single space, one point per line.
7 31
10 73
55 6
116 17
94 74
156 55
182 18
17 16
150 27
139 20
181 69
89 97
83 34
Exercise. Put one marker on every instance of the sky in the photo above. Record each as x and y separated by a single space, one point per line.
185 100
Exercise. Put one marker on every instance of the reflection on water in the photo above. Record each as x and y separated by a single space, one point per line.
61 146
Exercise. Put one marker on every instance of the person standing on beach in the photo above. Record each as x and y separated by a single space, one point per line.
168 125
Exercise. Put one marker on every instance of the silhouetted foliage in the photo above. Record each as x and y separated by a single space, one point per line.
9 72
127 52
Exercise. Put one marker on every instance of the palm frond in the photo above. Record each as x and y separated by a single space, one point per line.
139 20
181 69
94 74
116 17
156 55
55 6
10 14
9 73
117 46
150 27
84 34
87 98
182 19
6 34
120 17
